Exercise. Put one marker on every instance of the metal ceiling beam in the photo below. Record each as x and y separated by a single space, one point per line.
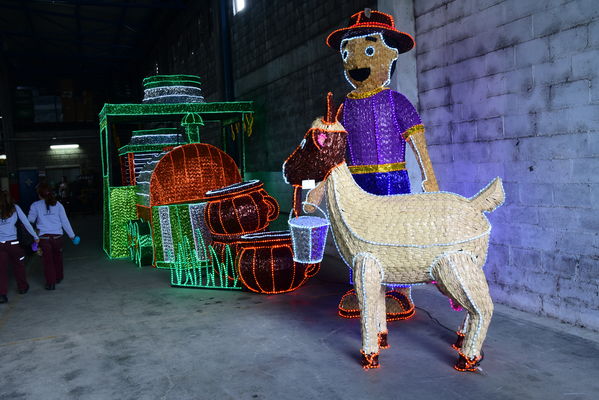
173 4
78 23
37 11
55 22
70 40
66 56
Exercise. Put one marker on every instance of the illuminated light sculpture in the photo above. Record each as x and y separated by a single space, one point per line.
436 237
226 243
122 200
215 273
192 123
265 263
237 216
175 223
352 306
143 185
172 89
127 236
309 237
140 242
146 145
379 121
179 183
240 208
186 173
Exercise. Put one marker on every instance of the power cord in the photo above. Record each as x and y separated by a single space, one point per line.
435 319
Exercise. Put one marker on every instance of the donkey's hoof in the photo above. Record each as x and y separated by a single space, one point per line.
383 342
465 364
459 342
370 360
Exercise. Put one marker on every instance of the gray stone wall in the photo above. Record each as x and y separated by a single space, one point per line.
510 88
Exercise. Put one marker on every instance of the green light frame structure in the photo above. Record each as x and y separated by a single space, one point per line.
190 115
188 270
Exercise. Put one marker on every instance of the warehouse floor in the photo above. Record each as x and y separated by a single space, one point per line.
114 331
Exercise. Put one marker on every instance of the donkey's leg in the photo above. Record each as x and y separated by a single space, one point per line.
465 283
461 332
382 319
367 281
457 345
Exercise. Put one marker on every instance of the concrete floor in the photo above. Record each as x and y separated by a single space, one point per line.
113 331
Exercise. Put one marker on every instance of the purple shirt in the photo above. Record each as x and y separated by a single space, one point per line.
375 125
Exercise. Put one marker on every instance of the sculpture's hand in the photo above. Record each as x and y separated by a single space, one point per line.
315 197
309 208
418 143
430 185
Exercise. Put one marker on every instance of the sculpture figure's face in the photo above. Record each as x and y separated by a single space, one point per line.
367 61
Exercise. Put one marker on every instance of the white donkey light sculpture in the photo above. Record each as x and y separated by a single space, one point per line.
401 239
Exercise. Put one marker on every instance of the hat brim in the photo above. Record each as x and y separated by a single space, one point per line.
402 41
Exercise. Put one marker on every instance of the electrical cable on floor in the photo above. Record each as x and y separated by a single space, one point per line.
435 319
479 369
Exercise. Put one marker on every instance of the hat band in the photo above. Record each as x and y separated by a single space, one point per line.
373 25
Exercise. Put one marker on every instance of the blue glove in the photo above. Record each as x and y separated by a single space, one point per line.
34 246
76 240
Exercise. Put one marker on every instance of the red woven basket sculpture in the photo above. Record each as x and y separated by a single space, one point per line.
186 173
265 263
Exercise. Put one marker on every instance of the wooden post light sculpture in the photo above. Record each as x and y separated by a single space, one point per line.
401 239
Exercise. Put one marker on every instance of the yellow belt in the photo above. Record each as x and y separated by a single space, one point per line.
369 169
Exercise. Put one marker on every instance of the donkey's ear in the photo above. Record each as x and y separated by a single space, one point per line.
339 112
328 117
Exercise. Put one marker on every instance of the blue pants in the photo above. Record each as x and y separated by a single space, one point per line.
384 183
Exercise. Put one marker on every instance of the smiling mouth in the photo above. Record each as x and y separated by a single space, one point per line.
359 74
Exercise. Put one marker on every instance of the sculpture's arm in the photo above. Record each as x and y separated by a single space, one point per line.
417 141
315 197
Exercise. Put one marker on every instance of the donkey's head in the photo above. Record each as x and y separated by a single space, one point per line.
321 150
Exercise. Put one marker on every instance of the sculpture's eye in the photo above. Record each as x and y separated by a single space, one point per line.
344 55
369 51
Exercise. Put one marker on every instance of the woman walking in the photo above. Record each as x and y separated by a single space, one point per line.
9 245
50 219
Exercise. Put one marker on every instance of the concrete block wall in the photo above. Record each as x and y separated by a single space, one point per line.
510 88
33 151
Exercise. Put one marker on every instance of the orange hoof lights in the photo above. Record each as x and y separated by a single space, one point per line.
467 364
370 361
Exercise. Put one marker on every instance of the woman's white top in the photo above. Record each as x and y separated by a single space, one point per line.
8 226
50 221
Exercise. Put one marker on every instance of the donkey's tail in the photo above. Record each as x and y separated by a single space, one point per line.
491 197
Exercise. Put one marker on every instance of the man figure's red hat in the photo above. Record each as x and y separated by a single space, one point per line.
367 22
